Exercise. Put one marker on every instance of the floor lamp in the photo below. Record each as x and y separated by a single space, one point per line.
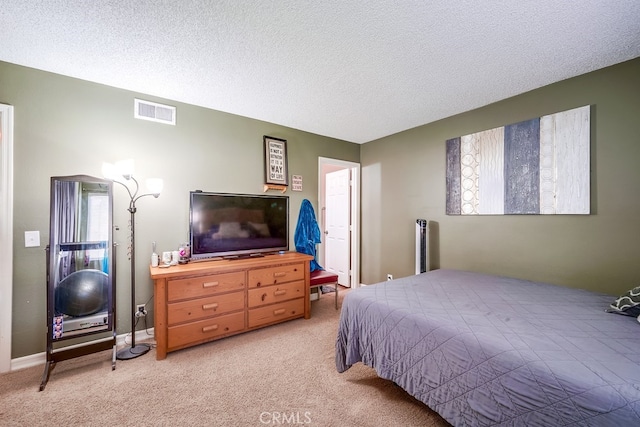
113 172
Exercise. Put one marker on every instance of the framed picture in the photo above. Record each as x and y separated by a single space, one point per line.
275 161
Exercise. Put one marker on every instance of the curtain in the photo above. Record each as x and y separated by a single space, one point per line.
66 205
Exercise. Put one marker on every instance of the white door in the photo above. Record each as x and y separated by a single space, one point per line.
6 234
337 236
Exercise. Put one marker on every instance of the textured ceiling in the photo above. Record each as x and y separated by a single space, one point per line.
352 70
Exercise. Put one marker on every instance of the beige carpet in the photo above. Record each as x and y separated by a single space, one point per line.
280 375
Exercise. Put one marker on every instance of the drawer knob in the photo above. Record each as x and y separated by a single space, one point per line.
279 292
211 306
210 328
210 284
279 311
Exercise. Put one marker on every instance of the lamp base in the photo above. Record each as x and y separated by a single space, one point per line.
133 352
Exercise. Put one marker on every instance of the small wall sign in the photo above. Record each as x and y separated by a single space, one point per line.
296 182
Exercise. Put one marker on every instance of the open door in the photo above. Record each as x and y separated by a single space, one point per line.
337 235
339 199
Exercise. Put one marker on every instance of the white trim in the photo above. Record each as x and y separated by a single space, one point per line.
355 225
41 358
6 235
355 210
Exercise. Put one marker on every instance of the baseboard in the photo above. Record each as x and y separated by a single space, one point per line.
41 358
28 361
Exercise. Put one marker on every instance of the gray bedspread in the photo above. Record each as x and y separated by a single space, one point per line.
485 350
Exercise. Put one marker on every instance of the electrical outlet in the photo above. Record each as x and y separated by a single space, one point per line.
140 310
389 276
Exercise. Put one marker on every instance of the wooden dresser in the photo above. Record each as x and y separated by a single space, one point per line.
203 301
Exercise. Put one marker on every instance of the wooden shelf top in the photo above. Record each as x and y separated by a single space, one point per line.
219 264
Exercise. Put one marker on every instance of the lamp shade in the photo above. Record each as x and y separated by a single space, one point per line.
109 171
155 185
121 169
125 168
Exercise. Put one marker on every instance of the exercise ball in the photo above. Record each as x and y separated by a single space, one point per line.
82 293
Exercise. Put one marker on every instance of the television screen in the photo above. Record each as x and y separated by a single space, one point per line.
236 225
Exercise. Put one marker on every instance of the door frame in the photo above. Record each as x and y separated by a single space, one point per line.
326 165
6 235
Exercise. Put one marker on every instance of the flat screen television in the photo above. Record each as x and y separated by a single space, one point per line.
231 225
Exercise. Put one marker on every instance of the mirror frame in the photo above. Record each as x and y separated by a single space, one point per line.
53 250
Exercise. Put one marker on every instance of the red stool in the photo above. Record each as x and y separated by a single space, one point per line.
323 277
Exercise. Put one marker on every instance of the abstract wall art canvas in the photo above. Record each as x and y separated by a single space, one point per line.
538 166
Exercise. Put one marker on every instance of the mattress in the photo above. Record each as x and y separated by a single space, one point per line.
485 350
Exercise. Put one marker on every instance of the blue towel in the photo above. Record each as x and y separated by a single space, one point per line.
307 234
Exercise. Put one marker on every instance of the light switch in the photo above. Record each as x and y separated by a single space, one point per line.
31 239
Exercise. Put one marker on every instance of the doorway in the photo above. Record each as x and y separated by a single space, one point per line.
339 219
6 234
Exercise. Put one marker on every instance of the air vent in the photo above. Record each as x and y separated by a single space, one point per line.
147 110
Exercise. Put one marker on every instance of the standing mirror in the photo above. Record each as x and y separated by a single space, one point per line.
80 270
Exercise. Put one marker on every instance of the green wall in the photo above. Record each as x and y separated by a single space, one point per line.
66 126
404 178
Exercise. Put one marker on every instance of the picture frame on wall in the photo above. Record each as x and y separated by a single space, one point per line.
275 161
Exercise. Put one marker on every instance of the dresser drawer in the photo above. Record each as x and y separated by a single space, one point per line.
276 312
201 286
275 293
274 275
200 308
204 330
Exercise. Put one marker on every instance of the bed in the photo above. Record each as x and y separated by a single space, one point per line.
486 350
